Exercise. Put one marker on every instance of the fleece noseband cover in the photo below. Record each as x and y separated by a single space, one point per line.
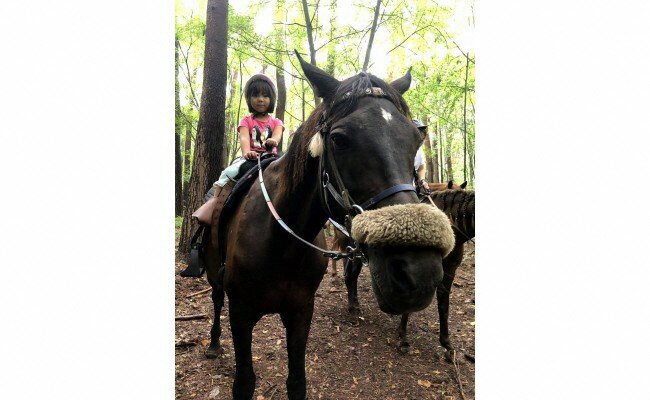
418 225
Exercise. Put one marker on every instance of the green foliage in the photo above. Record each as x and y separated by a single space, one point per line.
418 34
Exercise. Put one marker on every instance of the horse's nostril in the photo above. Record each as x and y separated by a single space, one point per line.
403 280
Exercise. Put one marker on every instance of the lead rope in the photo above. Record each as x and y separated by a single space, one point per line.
336 255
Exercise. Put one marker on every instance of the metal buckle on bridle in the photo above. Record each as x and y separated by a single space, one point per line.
325 179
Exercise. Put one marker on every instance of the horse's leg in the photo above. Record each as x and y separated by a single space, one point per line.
449 264
333 267
401 332
351 270
217 300
297 324
241 326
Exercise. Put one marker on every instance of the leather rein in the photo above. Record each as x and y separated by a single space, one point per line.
336 190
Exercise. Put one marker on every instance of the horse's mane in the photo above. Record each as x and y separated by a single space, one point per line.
341 105
459 207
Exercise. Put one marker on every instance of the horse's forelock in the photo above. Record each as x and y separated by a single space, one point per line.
356 86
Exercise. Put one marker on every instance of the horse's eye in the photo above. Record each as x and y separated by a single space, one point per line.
340 141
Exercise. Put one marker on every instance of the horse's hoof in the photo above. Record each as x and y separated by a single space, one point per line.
403 347
354 311
213 352
450 355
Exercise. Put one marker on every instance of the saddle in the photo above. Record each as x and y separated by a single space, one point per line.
227 200
236 195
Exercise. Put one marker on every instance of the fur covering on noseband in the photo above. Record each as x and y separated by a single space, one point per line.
418 225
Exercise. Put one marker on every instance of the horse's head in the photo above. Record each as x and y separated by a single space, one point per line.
367 143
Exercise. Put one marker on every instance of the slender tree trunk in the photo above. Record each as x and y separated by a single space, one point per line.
187 151
450 171
177 143
310 39
282 97
235 138
465 121
442 155
279 72
302 83
208 154
372 36
470 159
427 155
331 47
435 177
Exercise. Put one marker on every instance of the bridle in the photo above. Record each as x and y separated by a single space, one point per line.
328 172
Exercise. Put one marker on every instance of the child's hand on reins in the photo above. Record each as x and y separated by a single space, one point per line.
251 155
270 142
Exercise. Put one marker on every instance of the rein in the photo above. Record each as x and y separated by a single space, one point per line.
336 255
341 196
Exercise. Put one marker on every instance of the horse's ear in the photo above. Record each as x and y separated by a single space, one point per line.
463 185
402 84
323 83
450 184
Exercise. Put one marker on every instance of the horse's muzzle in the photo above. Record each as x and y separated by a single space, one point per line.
404 225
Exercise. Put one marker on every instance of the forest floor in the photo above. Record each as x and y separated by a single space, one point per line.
347 358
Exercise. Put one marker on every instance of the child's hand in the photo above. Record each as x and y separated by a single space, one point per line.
270 142
251 155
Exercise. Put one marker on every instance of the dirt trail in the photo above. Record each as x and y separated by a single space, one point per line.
346 358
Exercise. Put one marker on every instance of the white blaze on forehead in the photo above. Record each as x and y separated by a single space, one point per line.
387 116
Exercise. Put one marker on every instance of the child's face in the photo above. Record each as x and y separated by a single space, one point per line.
260 102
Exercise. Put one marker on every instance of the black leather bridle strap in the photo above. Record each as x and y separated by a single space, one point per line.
404 187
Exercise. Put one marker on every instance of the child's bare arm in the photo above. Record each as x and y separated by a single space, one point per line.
245 143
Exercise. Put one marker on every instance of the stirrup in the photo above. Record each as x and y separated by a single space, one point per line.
196 266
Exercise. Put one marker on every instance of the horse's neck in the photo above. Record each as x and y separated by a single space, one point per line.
458 212
299 207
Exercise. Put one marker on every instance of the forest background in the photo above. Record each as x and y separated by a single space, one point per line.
343 37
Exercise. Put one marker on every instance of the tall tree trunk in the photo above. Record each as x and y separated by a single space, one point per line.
435 172
187 151
331 47
310 39
302 83
235 138
178 205
427 155
279 72
450 171
465 121
442 155
282 97
230 115
372 36
208 153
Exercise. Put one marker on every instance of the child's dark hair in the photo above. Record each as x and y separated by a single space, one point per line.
256 87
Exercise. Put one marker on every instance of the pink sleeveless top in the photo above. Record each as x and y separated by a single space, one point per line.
259 131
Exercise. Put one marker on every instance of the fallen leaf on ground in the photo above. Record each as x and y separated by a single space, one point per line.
424 383
214 393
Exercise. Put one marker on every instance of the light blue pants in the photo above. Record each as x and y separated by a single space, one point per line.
230 172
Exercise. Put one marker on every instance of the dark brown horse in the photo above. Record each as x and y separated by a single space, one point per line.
362 137
458 205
